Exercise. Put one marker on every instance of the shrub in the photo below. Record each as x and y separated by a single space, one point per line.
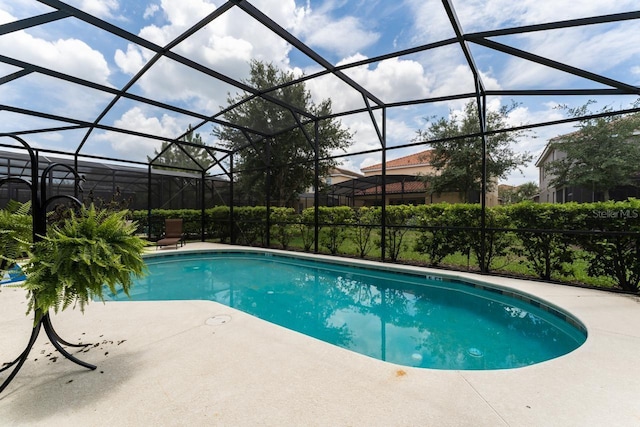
218 224
547 250
250 223
307 229
282 228
334 222
397 218
437 240
612 253
549 237
468 217
362 231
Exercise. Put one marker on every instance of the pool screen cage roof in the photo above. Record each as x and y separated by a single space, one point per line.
94 83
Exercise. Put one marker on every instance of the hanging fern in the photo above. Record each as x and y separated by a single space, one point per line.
15 233
74 261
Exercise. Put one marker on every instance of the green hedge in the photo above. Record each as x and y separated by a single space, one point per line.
547 240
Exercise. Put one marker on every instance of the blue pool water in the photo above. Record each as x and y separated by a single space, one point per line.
13 275
408 319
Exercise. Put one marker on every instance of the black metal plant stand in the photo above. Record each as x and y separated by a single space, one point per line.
44 322
39 205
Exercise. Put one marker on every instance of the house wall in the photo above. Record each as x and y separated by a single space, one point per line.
547 193
402 170
338 178
419 198
492 197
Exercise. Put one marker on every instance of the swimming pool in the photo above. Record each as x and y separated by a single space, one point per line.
409 318
13 275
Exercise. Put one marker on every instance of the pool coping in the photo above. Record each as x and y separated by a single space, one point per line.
174 369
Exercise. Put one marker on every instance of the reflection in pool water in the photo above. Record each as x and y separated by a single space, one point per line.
408 319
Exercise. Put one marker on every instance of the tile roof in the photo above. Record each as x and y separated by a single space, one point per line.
416 159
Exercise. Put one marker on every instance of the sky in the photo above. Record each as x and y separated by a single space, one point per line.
340 31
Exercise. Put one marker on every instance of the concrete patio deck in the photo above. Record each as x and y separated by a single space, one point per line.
161 364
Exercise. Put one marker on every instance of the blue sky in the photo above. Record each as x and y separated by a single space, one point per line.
340 31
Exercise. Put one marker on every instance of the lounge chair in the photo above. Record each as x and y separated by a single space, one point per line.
172 233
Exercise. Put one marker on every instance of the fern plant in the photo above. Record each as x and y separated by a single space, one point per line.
73 262
15 233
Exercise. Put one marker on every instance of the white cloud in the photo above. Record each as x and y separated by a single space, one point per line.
343 36
390 80
99 8
365 136
576 47
132 61
23 8
70 56
134 147
581 47
430 21
394 79
224 45
182 14
368 161
343 97
150 11
47 94
479 15
135 119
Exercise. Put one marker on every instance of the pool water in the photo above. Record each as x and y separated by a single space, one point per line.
12 275
408 319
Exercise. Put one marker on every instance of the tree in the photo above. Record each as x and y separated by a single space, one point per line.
510 195
457 158
286 159
176 155
602 154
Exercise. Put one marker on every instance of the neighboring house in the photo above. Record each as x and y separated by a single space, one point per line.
550 194
336 176
413 164
403 184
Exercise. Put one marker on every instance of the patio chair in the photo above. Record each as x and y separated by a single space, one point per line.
172 233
